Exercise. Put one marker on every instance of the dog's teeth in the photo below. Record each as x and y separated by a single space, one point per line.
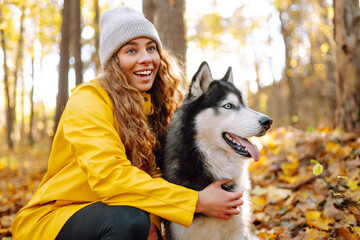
228 136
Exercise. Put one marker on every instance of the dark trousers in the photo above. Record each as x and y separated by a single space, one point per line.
100 221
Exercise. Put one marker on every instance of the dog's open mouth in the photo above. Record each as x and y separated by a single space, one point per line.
242 146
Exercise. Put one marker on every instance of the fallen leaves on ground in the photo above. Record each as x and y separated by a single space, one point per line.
21 171
290 202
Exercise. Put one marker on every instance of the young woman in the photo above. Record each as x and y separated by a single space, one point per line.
102 180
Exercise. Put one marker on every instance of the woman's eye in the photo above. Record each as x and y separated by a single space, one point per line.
130 50
228 106
152 48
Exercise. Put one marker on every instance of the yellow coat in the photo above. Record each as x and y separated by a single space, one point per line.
88 164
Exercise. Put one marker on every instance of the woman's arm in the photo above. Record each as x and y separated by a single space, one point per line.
89 125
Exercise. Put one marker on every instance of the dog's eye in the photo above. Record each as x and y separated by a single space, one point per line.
228 106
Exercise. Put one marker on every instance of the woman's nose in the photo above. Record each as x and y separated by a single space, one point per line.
144 57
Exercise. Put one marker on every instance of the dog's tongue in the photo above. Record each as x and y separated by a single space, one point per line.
251 148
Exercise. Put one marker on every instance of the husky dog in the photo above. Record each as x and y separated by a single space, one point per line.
207 141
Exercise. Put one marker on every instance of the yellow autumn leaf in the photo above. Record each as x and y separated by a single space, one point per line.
311 234
357 230
258 203
314 219
273 147
2 166
318 169
289 168
333 147
349 218
265 235
313 215
289 179
325 130
346 150
353 185
254 165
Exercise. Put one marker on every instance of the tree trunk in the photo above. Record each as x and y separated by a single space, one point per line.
289 74
31 137
149 9
22 125
76 36
171 27
96 59
17 73
63 88
347 41
9 122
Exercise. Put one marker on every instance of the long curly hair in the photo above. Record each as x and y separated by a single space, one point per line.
141 133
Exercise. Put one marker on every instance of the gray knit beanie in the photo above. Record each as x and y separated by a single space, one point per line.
121 25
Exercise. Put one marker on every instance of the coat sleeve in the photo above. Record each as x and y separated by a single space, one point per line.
89 127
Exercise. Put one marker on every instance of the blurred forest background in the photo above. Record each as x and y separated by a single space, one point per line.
298 61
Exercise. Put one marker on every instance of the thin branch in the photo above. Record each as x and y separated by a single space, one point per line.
338 190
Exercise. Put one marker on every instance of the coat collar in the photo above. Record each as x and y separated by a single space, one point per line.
147 102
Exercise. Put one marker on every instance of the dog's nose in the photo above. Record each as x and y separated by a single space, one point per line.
266 122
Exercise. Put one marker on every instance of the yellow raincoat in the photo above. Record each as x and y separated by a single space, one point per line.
88 164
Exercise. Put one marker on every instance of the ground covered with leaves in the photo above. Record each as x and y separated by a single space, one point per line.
21 171
289 201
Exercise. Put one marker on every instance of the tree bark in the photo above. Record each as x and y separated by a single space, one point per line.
31 137
9 122
149 9
96 58
171 27
17 73
63 86
347 41
76 37
288 75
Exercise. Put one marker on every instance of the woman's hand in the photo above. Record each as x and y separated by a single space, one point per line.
215 202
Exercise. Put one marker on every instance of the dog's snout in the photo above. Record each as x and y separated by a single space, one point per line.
266 122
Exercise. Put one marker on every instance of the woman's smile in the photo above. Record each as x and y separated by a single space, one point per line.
140 60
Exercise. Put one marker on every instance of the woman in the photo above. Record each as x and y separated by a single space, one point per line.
101 180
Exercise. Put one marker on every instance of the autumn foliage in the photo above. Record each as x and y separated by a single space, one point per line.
289 201
21 171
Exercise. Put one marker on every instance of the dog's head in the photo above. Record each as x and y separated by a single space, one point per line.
223 119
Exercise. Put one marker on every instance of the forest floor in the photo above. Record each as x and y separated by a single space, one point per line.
289 201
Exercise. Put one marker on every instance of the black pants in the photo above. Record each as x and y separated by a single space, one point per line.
100 221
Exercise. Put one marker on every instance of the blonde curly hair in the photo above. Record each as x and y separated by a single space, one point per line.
140 133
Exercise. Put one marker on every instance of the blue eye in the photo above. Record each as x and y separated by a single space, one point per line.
152 48
130 50
228 106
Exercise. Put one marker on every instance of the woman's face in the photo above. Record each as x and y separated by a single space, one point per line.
139 59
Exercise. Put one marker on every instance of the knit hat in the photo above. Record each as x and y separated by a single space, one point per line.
121 25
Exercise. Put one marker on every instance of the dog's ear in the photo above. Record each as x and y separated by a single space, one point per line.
200 81
228 77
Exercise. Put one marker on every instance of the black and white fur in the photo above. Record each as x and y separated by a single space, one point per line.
198 152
